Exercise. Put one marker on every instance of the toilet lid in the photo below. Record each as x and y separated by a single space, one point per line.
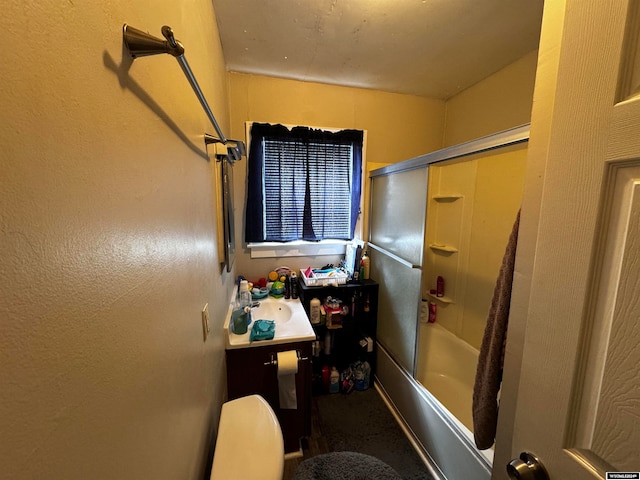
249 443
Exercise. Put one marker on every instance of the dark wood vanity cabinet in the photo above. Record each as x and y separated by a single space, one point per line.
252 371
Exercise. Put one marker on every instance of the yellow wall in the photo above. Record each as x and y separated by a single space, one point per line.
108 252
398 127
497 103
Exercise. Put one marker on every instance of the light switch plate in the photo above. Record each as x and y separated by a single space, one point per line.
205 321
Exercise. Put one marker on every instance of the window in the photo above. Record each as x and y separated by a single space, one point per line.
303 184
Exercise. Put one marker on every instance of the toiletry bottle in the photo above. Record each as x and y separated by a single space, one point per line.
287 285
294 285
238 321
327 343
366 266
244 300
440 287
358 373
334 381
326 380
314 311
433 309
366 370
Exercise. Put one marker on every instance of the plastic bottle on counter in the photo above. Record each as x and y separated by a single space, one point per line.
245 300
244 295
287 285
334 381
314 311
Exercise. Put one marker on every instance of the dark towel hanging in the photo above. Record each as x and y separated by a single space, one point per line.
491 358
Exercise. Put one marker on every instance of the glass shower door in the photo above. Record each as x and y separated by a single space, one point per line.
396 239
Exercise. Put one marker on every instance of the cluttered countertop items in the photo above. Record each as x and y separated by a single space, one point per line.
268 311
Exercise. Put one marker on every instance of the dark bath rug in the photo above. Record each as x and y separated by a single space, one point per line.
361 422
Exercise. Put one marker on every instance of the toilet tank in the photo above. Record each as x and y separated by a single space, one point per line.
249 443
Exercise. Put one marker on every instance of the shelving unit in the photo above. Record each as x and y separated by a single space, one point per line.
345 338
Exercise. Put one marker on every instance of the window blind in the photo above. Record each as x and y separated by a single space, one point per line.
303 184
312 176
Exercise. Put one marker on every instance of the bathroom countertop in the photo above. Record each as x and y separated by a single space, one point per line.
292 323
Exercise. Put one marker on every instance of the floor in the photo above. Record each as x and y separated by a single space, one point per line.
360 422
314 445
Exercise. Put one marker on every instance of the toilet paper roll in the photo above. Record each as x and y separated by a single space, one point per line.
287 369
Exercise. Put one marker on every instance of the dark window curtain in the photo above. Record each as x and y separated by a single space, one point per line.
305 183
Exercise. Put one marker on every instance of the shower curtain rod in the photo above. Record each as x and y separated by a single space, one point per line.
142 44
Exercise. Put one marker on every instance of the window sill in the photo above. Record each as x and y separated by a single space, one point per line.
297 249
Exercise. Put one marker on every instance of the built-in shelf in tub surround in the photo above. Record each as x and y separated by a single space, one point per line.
440 247
446 198
440 299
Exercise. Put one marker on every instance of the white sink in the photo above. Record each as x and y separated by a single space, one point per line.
292 323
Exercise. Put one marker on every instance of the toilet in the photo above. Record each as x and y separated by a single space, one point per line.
249 443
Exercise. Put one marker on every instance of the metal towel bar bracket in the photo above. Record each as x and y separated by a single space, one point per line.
142 44
274 359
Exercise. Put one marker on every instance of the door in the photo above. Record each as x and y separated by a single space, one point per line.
577 285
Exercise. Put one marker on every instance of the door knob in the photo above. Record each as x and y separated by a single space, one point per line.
527 467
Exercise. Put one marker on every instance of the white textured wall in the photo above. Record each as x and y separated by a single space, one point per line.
107 244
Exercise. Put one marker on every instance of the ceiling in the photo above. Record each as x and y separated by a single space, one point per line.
432 48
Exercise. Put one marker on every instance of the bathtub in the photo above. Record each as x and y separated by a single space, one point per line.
435 408
447 368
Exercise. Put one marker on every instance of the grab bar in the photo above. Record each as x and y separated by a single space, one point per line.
141 44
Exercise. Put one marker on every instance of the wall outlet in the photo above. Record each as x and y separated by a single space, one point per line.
205 321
